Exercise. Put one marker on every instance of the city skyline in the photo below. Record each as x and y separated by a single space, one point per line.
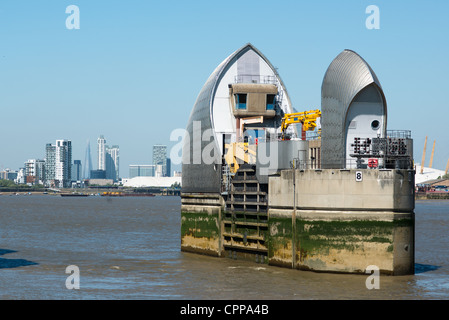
122 171
120 72
49 167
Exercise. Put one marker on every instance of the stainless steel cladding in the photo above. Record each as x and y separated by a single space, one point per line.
274 156
212 122
196 175
350 93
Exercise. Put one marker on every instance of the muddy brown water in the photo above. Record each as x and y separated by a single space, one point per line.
129 248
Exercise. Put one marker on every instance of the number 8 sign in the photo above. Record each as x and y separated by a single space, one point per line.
358 176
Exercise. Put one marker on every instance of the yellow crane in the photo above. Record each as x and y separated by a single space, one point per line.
307 119
243 152
431 155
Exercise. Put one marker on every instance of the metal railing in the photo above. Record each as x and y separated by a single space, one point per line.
256 78
400 134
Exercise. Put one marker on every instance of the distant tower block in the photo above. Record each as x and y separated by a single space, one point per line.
87 162
101 153
160 159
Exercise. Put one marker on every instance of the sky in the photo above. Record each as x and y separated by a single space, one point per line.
133 69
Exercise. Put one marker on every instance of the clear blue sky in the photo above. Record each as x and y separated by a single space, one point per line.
133 70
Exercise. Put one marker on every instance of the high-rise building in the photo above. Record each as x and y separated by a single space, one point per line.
50 153
76 171
87 162
35 171
112 162
63 163
101 148
160 157
168 168
108 159
58 164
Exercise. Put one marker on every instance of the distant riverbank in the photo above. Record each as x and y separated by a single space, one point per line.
432 196
99 192
90 192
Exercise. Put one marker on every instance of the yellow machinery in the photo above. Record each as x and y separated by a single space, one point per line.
306 118
239 151
242 152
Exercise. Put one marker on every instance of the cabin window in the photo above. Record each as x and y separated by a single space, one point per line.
240 102
271 99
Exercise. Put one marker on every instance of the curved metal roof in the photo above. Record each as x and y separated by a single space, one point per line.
347 75
196 175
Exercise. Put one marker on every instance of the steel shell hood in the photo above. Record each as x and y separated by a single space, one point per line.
346 77
198 175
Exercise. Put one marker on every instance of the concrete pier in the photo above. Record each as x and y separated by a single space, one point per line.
201 216
328 220
339 200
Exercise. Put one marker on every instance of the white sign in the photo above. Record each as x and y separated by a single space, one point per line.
358 176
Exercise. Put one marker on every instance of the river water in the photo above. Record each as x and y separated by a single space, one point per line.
129 249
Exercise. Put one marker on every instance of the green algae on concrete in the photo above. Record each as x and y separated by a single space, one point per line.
333 245
200 232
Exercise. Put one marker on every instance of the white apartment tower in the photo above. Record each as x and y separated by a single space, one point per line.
63 163
101 143
35 171
58 164
108 159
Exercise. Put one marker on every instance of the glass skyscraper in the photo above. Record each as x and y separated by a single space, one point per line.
112 162
160 157
77 174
